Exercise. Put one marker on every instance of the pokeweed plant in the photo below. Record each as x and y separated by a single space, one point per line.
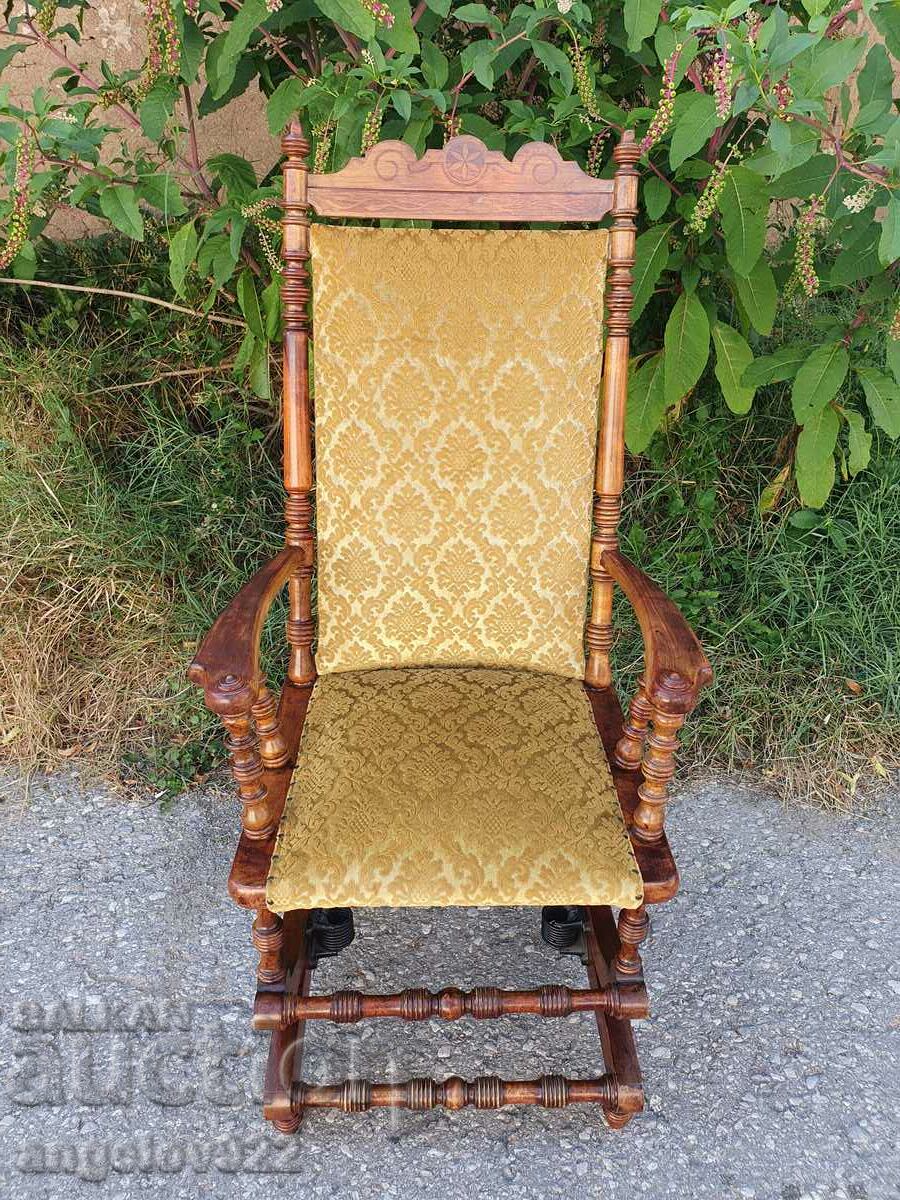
771 157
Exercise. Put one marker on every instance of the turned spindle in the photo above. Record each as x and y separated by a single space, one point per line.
298 463
610 467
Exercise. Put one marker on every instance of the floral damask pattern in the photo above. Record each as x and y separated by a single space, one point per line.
451 785
456 390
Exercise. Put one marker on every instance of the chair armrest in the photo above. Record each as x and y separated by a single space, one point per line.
227 664
675 670
675 667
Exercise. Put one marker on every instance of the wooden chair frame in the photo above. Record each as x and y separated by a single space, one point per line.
463 182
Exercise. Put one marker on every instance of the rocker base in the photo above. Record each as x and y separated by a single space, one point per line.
613 997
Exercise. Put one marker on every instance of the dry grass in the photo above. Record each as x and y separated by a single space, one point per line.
87 632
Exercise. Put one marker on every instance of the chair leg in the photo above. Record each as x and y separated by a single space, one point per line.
633 926
619 1053
616 996
286 1046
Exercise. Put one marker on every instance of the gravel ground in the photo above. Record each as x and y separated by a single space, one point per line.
771 1063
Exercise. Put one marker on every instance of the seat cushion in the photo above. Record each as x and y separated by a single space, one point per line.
451 786
457 378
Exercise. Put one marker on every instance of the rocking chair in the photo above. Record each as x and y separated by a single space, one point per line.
452 743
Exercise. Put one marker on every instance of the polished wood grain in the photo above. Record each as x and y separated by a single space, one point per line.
275 1010
675 671
250 869
227 667
655 859
286 1045
296 407
609 473
462 182
487 1091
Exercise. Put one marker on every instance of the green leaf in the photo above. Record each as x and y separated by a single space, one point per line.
401 35
402 103
441 7
182 252
271 302
641 17
859 441
259 370
555 60
886 18
819 380
814 460
787 48
775 368
759 296
156 109
695 124
249 302
161 190
236 173
350 15
283 103
875 82
809 179
237 37
686 342
858 259
476 58
646 404
477 14
733 356
242 358
435 66
657 195
651 253
892 357
743 208
883 399
192 46
119 205
827 64
889 243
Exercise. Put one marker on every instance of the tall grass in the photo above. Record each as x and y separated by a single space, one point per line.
137 492
799 613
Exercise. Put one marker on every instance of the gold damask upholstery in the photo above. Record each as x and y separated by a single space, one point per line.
456 394
451 786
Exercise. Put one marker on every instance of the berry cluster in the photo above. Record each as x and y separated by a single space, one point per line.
858 201
324 136
273 6
784 98
381 13
266 229
809 223
665 110
894 327
17 229
45 16
583 83
709 199
192 7
720 81
595 153
452 126
371 128
163 50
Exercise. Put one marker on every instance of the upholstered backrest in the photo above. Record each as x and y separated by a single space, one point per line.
457 379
